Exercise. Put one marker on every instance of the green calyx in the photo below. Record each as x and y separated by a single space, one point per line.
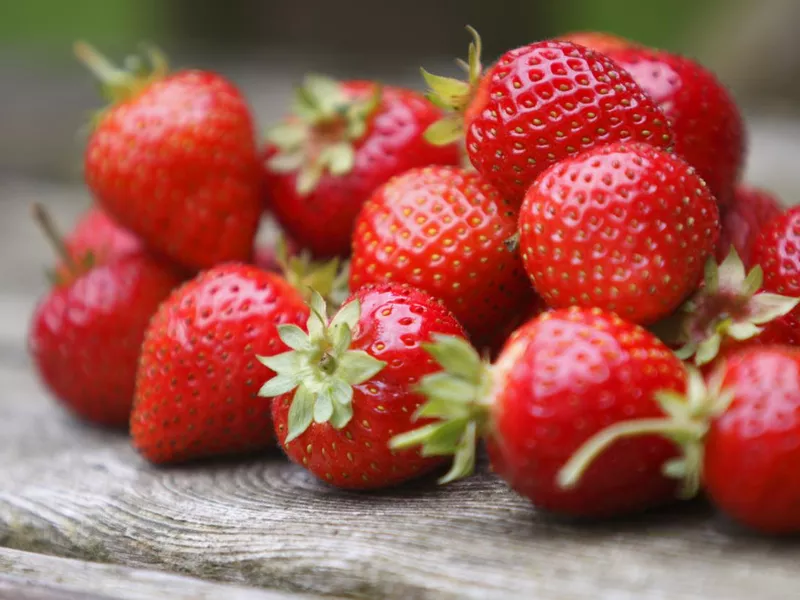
320 135
458 399
454 96
327 278
729 305
121 84
687 422
320 368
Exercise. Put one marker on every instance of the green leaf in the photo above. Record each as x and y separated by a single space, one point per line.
324 93
451 91
446 130
348 314
323 406
356 366
475 50
280 384
308 178
342 337
445 439
456 356
711 276
286 163
287 135
674 468
671 402
708 349
286 363
731 273
686 351
341 392
743 331
317 321
753 282
342 415
294 337
318 306
339 158
464 460
766 307
300 413
413 438
443 386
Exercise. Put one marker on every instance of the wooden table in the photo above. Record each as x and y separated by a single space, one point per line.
82 516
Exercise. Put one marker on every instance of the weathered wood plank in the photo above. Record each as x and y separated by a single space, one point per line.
28 576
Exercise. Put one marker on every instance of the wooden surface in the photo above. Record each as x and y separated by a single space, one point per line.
74 492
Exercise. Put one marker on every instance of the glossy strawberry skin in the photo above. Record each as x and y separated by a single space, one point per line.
753 448
442 230
560 379
708 129
322 220
395 321
551 100
178 166
85 336
743 219
198 378
627 228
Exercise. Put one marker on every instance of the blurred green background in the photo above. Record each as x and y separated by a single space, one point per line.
265 46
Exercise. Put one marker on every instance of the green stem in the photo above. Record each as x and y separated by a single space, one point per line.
571 472
51 233
99 65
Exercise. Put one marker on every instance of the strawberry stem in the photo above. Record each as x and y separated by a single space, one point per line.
99 65
46 223
669 427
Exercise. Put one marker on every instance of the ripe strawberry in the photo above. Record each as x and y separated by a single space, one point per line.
729 311
625 227
752 449
750 209
197 382
708 129
86 332
98 238
443 230
349 384
561 378
343 141
540 104
174 159
738 435
598 41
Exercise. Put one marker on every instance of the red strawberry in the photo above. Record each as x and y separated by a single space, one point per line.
174 159
708 129
540 104
753 448
598 41
443 230
86 332
625 227
739 436
561 378
750 209
731 310
343 141
350 385
99 236
198 378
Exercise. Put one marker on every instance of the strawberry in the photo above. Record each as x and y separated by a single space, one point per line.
598 41
708 129
174 159
349 385
625 227
730 310
750 209
752 449
560 378
197 382
97 238
443 230
86 332
538 105
342 141
738 435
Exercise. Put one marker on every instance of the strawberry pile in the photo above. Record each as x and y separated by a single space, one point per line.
557 257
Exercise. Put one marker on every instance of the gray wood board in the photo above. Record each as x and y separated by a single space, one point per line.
29 576
71 491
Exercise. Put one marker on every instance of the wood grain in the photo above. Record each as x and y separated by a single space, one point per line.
28 576
76 492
